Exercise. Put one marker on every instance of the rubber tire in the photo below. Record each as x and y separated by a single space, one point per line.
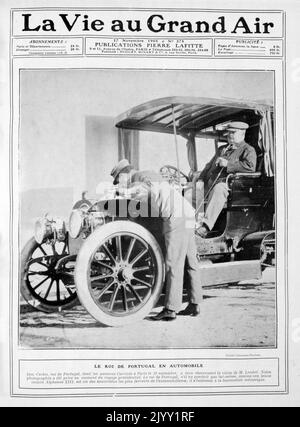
26 254
82 274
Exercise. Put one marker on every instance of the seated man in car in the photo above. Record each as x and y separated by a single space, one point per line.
237 156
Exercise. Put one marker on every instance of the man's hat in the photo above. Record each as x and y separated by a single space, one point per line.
237 126
124 163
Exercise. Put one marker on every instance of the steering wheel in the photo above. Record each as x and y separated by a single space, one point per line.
173 175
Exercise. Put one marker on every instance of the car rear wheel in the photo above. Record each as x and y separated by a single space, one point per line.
47 276
119 273
268 251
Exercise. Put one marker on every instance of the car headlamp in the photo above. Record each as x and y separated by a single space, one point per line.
42 229
75 223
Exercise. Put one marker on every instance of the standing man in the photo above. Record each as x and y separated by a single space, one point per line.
238 156
178 229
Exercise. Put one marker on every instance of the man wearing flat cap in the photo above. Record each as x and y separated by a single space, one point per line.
178 218
236 157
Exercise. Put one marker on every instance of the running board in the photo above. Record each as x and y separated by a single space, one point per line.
229 272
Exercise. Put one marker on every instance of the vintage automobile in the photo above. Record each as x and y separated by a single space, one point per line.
111 258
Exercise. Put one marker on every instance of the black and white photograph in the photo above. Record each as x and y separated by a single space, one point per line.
147 215
149 206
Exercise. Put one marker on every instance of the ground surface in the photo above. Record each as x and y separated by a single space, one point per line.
232 316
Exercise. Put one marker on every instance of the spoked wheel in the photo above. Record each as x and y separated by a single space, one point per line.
119 273
47 281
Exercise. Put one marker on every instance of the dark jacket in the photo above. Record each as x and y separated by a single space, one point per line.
242 159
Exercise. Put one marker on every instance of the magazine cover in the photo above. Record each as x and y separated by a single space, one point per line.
149 215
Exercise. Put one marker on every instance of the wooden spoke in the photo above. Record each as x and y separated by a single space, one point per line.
109 253
101 277
106 288
41 283
65 249
49 289
42 250
113 298
47 278
38 261
57 290
125 303
138 269
35 273
119 248
142 282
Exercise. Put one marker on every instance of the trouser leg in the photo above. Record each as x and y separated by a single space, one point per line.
176 250
188 194
193 271
195 195
198 197
216 203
